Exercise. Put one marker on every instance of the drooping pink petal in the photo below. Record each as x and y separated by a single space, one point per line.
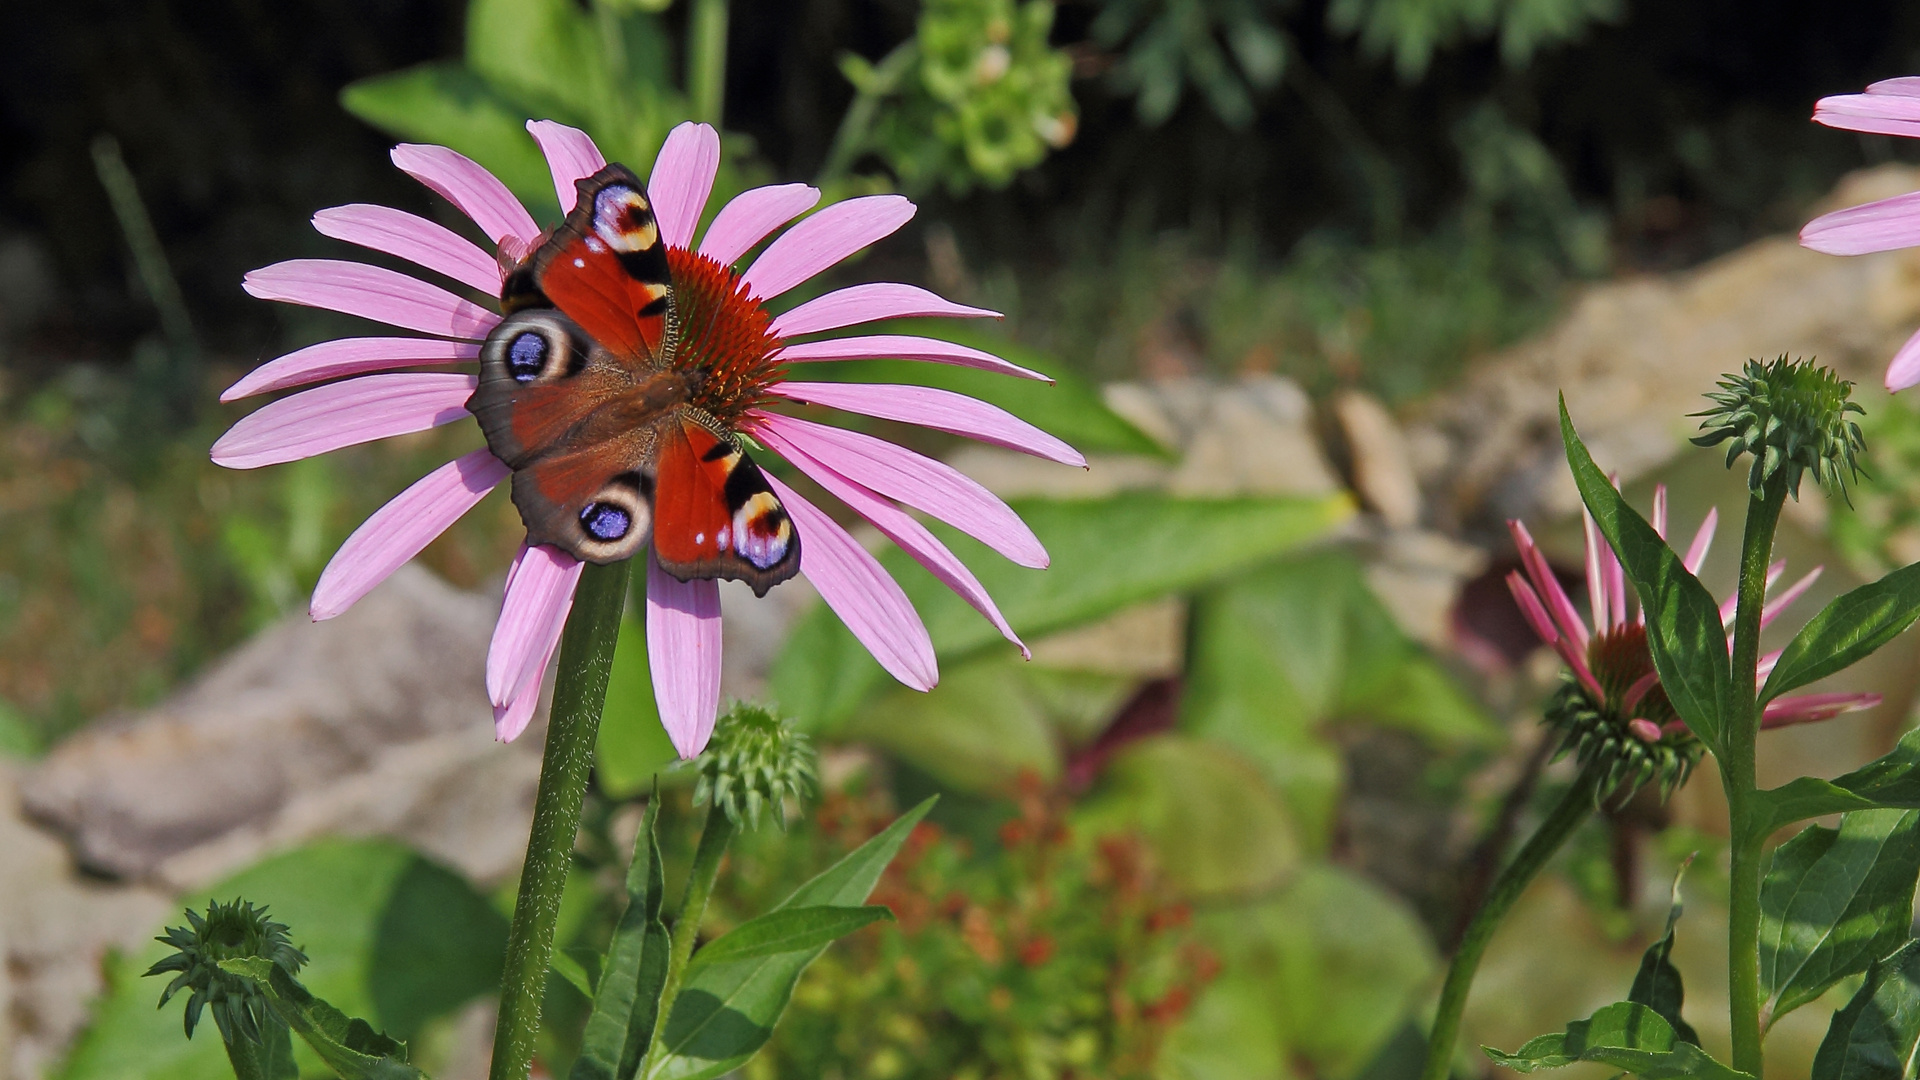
824 239
1878 114
1730 607
1905 85
1558 603
1767 662
682 179
371 292
343 414
1660 511
414 238
1904 369
347 356
903 347
399 530
510 721
867 303
919 481
1808 708
1869 227
1776 605
1542 624
913 537
683 651
478 193
538 597
861 593
570 155
751 215
1640 688
1597 591
1702 540
941 410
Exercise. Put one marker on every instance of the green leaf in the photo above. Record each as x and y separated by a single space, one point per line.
627 1000
1891 781
1877 1035
632 746
575 966
445 103
1684 632
1834 901
348 1045
1657 984
726 1011
789 930
1847 631
1625 1035
1108 554
544 55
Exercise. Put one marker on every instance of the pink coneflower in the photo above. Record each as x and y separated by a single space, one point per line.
1614 702
1889 107
873 477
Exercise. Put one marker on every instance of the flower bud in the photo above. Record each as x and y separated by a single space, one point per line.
1792 416
228 931
754 764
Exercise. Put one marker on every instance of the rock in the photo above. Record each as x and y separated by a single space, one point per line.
1381 462
1146 641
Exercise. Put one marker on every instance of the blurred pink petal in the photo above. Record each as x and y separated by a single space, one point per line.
682 179
903 347
1660 511
1808 708
1878 114
902 529
920 482
824 239
509 721
539 595
1644 729
348 356
1768 662
570 155
1777 604
371 292
866 303
1542 623
1702 540
751 215
1558 603
1631 699
1904 369
343 414
478 193
683 651
419 241
399 530
941 410
1730 607
861 593
1869 227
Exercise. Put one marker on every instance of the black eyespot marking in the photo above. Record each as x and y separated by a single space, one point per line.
527 356
605 521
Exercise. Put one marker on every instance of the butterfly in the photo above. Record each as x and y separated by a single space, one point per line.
589 394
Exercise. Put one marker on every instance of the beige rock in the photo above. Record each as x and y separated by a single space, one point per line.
1257 441
1146 641
1382 463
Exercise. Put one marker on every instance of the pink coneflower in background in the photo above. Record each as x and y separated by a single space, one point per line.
873 477
1889 107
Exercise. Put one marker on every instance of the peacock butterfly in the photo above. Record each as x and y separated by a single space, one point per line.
611 413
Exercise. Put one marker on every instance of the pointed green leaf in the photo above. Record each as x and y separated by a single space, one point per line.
1891 781
1835 900
575 966
1847 631
269 1059
1657 984
633 970
1877 1035
789 930
350 1046
1684 632
1625 1035
726 1011
445 103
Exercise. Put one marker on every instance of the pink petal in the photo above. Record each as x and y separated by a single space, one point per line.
1778 604
1643 729
751 215
1597 591
1730 607
1557 601
570 155
413 238
1869 227
918 481
683 650
1764 667
866 303
912 537
1904 369
1879 114
862 593
399 530
1639 690
1536 615
824 239
1702 540
478 193
902 347
510 720
1660 511
343 414
1905 86
941 410
371 292
1807 708
539 595
347 356
682 179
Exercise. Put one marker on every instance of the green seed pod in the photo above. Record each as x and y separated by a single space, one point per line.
1793 417
753 765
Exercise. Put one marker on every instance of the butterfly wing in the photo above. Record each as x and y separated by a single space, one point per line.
714 514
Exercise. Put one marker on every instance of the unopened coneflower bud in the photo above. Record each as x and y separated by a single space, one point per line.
228 931
753 765
1793 417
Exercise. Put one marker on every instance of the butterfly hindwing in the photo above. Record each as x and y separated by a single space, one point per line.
714 514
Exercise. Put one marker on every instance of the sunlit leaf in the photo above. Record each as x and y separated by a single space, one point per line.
348 1045
1891 781
447 104
1625 1035
1657 984
626 1000
1847 631
789 930
1877 1035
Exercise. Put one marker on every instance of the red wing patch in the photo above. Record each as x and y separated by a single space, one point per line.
714 515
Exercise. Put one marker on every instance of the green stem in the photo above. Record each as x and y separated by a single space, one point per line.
707 59
851 137
579 693
1566 816
686 926
1737 775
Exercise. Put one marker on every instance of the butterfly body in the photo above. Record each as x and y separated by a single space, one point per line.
611 422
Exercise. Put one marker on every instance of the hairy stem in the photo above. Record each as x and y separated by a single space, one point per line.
686 926
1566 816
707 59
579 693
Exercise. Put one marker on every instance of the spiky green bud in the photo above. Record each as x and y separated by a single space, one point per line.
227 931
1792 416
754 764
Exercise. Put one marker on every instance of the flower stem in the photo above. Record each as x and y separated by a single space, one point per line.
1566 816
686 926
579 693
707 59
1737 776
